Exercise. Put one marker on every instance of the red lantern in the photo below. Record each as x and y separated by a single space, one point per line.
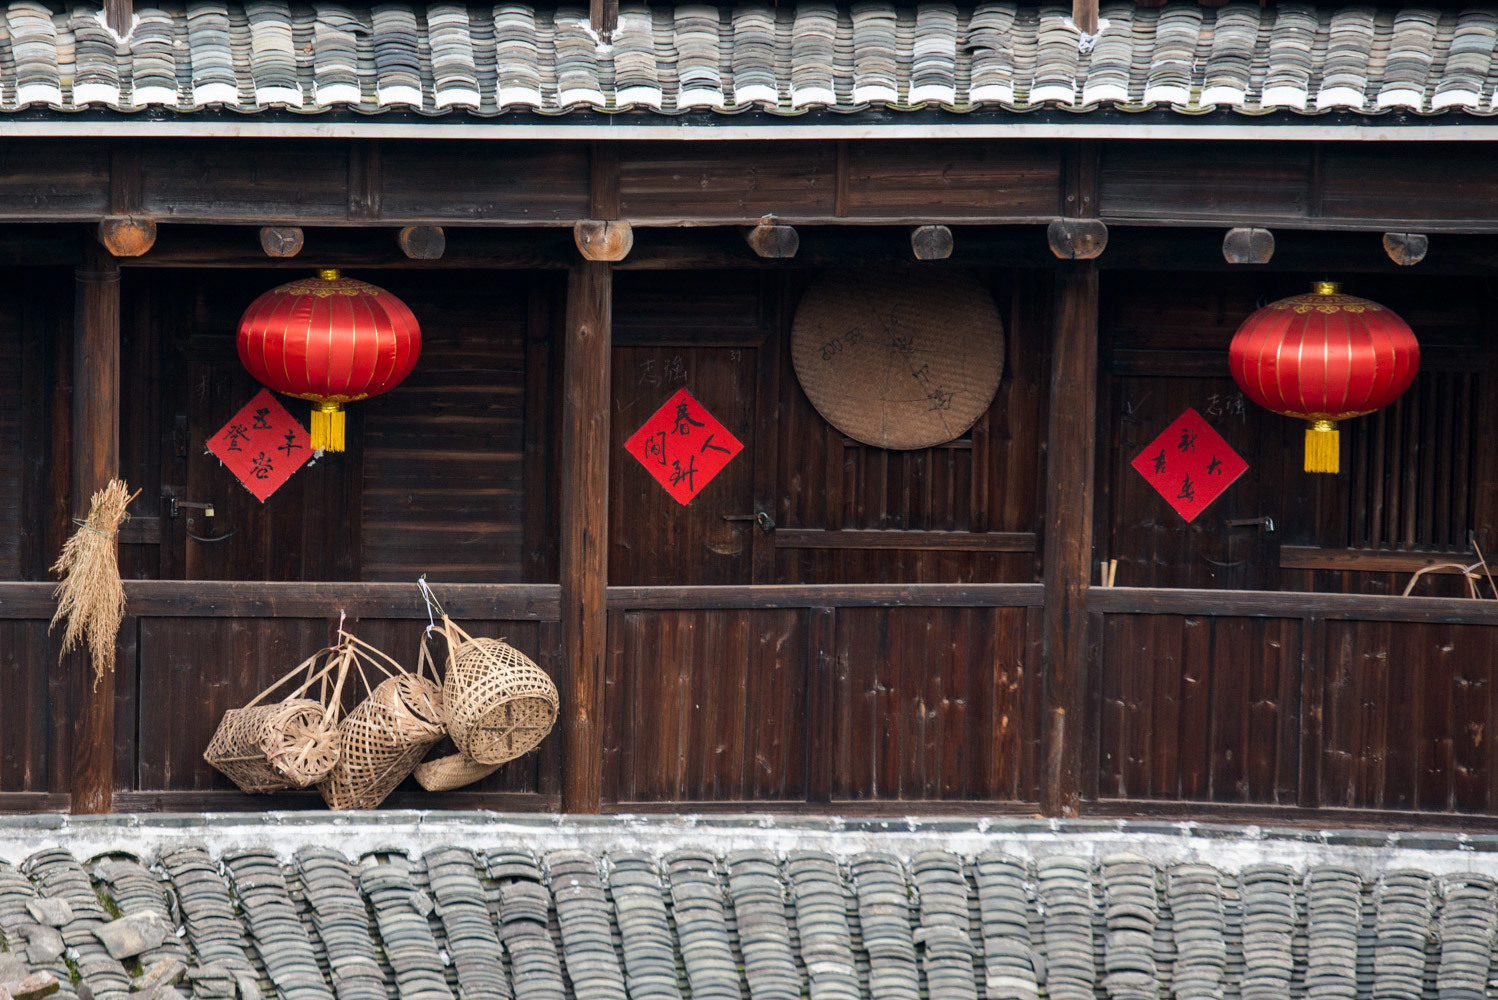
1321 358
332 340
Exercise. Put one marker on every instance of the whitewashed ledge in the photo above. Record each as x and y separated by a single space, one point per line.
1226 847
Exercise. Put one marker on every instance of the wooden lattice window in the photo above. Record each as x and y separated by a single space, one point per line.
1410 467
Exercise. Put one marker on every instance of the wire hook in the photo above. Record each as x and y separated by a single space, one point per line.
431 602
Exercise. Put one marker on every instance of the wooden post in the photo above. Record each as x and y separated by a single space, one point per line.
584 541
1068 534
96 459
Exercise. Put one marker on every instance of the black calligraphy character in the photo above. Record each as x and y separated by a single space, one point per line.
1160 462
655 447
686 475
261 423
1188 440
709 446
237 433
922 374
261 467
905 345
940 399
290 444
1188 491
684 421
1214 467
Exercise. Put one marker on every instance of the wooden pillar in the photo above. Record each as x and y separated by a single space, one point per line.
96 460
584 542
1068 533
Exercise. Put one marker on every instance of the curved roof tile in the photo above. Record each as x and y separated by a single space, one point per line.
451 58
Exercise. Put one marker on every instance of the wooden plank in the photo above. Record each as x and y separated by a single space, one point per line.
514 182
1312 712
847 595
1365 560
1273 604
892 539
584 547
232 800
261 183
921 183
821 708
662 183
96 460
1068 533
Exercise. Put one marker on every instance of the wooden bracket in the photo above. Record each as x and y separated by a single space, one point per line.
127 235
422 242
931 242
1077 239
603 240
1406 249
281 241
1248 246
773 241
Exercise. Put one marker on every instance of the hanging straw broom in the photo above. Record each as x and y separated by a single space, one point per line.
90 595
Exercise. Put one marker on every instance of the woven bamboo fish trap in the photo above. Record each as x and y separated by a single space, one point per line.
387 733
291 743
500 705
443 774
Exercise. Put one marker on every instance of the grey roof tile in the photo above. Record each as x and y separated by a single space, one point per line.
450 58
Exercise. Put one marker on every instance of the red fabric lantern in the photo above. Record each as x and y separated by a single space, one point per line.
331 340
1321 358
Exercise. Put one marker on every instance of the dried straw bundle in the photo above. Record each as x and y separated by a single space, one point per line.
90 594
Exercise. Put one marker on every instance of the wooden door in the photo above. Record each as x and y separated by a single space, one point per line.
654 540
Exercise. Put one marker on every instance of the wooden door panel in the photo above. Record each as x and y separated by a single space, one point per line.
653 540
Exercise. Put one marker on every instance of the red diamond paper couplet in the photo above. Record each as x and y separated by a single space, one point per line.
683 446
262 444
1190 464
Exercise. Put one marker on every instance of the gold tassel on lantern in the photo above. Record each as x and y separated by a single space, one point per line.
1323 447
327 427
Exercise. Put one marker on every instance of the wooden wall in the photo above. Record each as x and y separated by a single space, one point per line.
1415 478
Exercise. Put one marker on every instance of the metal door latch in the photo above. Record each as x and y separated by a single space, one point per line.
763 519
1266 522
174 504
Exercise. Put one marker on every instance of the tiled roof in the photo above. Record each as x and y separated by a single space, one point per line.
450 59
714 911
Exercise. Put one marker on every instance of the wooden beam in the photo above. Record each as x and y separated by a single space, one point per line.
281 241
1248 246
1077 239
931 242
96 460
365 179
773 241
1067 559
127 235
422 242
604 16
119 14
1084 16
1406 249
603 239
584 541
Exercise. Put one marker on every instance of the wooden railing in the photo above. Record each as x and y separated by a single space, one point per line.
1258 705
1294 702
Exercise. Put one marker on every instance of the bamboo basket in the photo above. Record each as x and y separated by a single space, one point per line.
386 734
443 774
292 743
500 705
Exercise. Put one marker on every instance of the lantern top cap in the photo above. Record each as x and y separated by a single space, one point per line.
330 274
1326 288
